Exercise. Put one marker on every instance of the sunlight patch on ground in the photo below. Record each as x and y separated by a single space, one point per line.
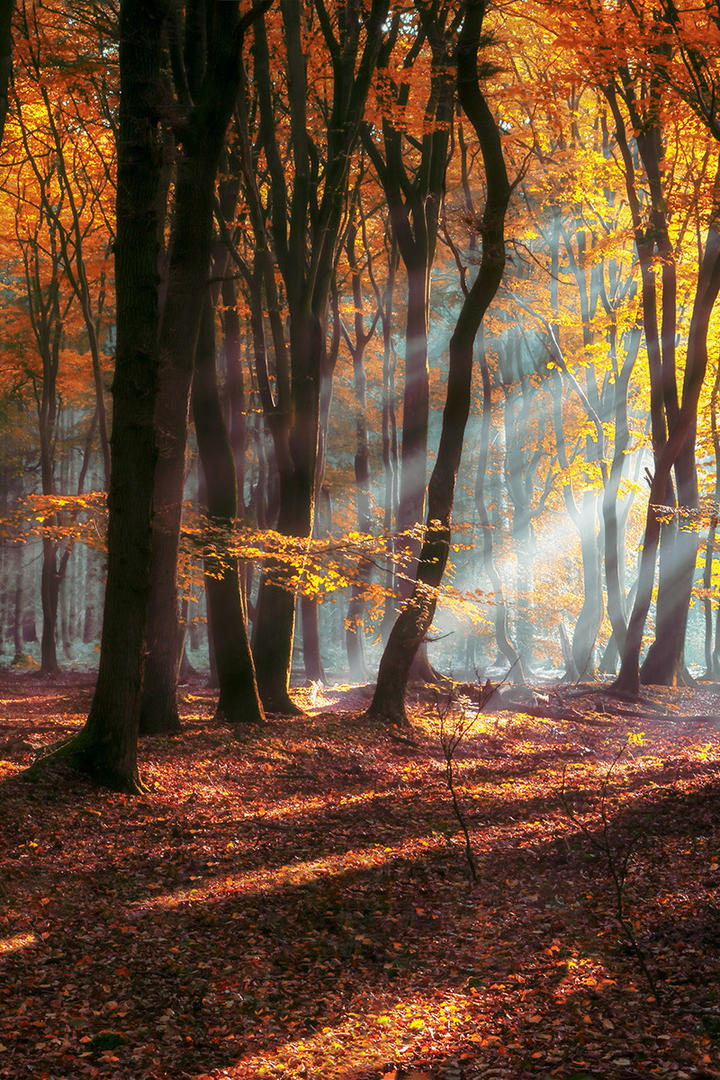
518 834
387 1030
17 943
293 874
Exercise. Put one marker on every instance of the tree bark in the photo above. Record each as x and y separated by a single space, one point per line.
388 704
305 225
238 702
106 747
213 79
628 680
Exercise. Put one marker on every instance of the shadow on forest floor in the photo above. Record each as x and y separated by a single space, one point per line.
296 901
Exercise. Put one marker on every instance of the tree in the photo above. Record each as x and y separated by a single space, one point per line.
106 747
207 77
416 617
6 14
296 215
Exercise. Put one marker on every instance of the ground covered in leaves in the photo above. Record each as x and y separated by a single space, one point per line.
297 901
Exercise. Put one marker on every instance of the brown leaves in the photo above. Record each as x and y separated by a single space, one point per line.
295 903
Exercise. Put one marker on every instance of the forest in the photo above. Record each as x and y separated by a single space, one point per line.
359 539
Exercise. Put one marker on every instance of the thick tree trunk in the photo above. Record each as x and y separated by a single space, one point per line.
272 643
239 702
190 247
388 704
106 748
310 617
275 616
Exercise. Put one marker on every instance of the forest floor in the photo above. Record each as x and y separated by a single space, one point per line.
296 901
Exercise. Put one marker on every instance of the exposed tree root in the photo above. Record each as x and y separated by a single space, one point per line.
80 755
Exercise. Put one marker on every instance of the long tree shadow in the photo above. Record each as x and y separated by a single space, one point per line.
211 981
187 934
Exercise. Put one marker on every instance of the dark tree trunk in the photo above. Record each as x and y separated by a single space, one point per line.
6 13
388 704
214 79
305 228
310 616
297 453
49 593
106 748
239 702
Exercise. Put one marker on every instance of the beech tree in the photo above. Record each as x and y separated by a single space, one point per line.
206 71
414 621
295 184
106 747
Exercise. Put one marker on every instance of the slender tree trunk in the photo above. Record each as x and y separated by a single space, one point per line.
628 680
49 593
190 249
504 645
275 619
710 543
613 570
591 612
388 703
6 13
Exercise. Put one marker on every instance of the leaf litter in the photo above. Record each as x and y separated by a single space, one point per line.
296 902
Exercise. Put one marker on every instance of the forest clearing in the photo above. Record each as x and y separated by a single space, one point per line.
295 901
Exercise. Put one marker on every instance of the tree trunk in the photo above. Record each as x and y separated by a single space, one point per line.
6 13
106 747
504 646
591 612
49 592
190 247
388 704
310 615
613 570
628 680
239 702
275 618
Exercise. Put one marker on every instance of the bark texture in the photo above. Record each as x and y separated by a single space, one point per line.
207 83
238 702
388 704
106 747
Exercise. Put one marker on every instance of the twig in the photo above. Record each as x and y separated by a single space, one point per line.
617 861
